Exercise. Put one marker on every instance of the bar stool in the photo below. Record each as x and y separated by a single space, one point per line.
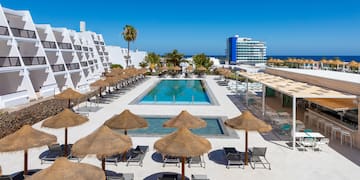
327 126
345 134
334 132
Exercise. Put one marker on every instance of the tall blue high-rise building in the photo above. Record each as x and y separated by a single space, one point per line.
245 51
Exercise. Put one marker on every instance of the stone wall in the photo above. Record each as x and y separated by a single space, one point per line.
10 122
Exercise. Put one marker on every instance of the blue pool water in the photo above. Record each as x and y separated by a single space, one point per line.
177 92
155 127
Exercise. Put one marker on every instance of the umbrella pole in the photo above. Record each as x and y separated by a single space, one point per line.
125 132
66 142
69 104
25 162
246 147
182 168
103 164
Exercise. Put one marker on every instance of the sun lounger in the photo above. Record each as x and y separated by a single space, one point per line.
128 176
171 160
54 152
6 177
168 177
114 159
137 155
196 160
257 156
199 177
233 157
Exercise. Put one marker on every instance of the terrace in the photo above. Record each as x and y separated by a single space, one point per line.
286 163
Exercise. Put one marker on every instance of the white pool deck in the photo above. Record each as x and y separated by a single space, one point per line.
286 163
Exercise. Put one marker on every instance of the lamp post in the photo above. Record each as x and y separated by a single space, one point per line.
236 81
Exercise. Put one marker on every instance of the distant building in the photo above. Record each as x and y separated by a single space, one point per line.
245 51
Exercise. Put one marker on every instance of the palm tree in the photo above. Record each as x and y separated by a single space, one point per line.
174 57
153 60
129 34
202 60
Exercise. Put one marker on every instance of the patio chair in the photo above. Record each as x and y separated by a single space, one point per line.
257 156
307 142
318 144
168 177
137 155
171 160
196 160
54 152
233 157
199 177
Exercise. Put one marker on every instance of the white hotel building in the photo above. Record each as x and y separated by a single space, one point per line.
38 61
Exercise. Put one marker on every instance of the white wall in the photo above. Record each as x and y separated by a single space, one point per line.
117 54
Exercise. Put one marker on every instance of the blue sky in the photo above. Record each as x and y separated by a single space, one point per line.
296 27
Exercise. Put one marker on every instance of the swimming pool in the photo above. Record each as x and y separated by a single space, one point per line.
155 127
177 92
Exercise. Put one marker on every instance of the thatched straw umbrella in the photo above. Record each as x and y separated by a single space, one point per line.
185 120
65 119
190 68
103 143
177 68
182 143
63 169
201 68
126 120
100 83
24 139
248 122
69 94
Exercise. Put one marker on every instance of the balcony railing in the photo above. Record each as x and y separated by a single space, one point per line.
58 67
64 45
23 33
85 48
77 47
9 61
102 59
96 42
102 43
4 31
95 61
100 53
91 49
91 62
30 61
73 66
49 44
84 64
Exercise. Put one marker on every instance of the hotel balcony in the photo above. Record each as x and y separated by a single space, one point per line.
84 64
58 68
9 61
77 47
91 49
64 45
96 42
23 33
85 48
49 44
73 66
106 53
100 53
102 43
31 61
95 61
91 62
4 31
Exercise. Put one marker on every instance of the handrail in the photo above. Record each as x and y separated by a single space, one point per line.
17 32
58 67
73 66
49 44
9 61
34 60
4 30
64 45
84 64
77 47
